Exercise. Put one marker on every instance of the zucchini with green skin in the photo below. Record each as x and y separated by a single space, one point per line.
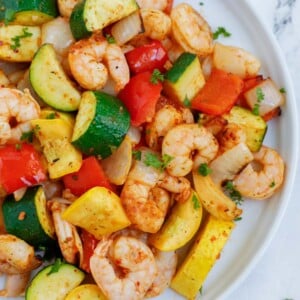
184 80
50 82
28 218
101 124
19 43
24 12
93 15
54 282
254 126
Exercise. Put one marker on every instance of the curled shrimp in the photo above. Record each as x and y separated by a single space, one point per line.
68 238
124 268
165 119
65 7
190 30
262 183
16 256
166 262
17 108
92 60
189 145
156 23
154 4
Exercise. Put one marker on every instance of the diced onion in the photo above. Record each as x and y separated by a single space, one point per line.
18 194
271 97
127 28
229 163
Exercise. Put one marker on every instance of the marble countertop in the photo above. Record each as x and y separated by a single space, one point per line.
276 276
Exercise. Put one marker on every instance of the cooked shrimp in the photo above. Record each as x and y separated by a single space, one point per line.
65 7
18 108
154 4
214 124
68 238
145 204
123 268
231 135
165 119
166 262
92 60
191 30
16 256
262 183
157 24
15 285
189 145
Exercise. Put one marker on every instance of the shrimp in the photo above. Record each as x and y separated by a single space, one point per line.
190 30
124 268
166 262
189 145
145 204
261 184
92 60
16 256
65 7
68 238
157 24
15 285
16 109
154 4
165 119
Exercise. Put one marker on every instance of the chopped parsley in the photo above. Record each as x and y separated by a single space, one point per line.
9 15
18 146
196 202
260 98
221 31
282 90
237 219
110 39
234 194
156 77
186 101
204 169
51 116
153 160
137 155
27 136
56 266
272 184
17 39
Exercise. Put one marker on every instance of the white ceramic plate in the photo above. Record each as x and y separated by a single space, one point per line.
260 220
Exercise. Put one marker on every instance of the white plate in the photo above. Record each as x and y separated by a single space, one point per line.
260 220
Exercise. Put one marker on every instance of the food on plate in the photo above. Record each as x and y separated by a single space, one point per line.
129 137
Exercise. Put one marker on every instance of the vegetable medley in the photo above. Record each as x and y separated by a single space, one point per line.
128 134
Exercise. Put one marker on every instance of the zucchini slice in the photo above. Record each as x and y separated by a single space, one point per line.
24 12
101 124
19 43
86 291
185 79
28 218
54 282
92 15
50 82
254 126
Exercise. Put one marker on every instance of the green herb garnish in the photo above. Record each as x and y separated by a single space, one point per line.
9 15
27 136
196 202
204 169
221 31
272 184
282 90
110 39
56 266
153 160
237 219
137 155
260 97
156 77
18 146
51 116
186 101
17 39
234 194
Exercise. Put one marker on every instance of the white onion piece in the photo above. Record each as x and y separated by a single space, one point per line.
4 81
58 33
15 284
134 134
206 66
229 163
272 97
127 28
18 194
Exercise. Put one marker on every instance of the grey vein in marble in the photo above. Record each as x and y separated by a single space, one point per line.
283 15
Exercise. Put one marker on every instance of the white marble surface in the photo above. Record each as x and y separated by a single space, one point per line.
277 274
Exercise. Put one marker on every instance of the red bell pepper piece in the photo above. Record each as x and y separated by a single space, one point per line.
219 93
147 58
20 166
140 96
89 175
169 6
89 243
